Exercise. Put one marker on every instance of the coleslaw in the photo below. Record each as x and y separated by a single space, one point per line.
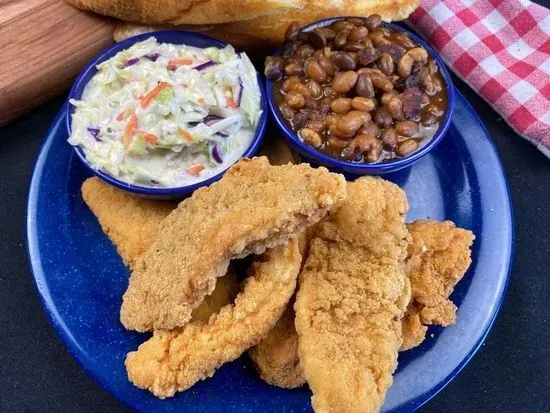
160 114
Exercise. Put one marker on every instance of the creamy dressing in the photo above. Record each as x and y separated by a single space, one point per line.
167 115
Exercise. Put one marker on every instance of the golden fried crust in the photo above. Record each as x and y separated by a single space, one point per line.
253 207
130 222
120 213
276 356
184 11
438 258
173 361
413 330
269 29
352 297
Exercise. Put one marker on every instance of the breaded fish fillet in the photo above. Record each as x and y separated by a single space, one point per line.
352 297
131 223
438 258
173 361
253 207
276 357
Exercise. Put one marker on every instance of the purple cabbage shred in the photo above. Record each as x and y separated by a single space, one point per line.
204 65
216 154
240 95
152 56
130 62
95 133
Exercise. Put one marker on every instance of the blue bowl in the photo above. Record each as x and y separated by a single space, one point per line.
355 168
166 36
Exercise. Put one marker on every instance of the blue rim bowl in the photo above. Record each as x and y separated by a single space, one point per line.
355 168
165 36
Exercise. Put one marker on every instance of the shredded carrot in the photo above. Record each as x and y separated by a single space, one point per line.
173 64
148 98
230 102
121 116
194 170
149 137
185 134
201 101
129 130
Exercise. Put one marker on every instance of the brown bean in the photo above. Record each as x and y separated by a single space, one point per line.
368 56
288 82
295 100
379 39
317 54
315 71
373 21
327 65
344 81
300 88
318 125
365 116
311 137
292 31
341 105
299 120
405 64
367 43
364 86
432 66
358 34
304 51
317 38
328 32
363 104
337 143
389 137
370 71
381 82
353 47
342 25
356 21
407 128
274 67
286 111
424 99
329 92
341 39
382 117
404 40
343 61
348 124
369 129
315 89
294 68
385 98
406 147
395 107
289 49
332 120
385 63
368 145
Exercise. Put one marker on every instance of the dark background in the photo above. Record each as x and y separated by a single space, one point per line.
510 372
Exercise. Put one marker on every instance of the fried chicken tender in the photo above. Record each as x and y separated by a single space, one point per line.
253 207
131 222
120 214
437 259
173 361
352 297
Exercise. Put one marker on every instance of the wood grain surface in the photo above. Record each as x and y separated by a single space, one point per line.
44 44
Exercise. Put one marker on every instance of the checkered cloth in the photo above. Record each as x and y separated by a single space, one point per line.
501 48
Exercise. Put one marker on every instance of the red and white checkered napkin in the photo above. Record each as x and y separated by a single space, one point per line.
501 48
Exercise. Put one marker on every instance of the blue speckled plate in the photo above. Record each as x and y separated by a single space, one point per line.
81 279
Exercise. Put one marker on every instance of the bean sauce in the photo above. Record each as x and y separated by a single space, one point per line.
358 90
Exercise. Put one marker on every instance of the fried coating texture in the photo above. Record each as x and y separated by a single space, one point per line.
131 222
352 297
438 257
253 207
173 361
276 356
120 214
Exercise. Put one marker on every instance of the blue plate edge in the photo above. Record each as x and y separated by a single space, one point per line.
57 321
